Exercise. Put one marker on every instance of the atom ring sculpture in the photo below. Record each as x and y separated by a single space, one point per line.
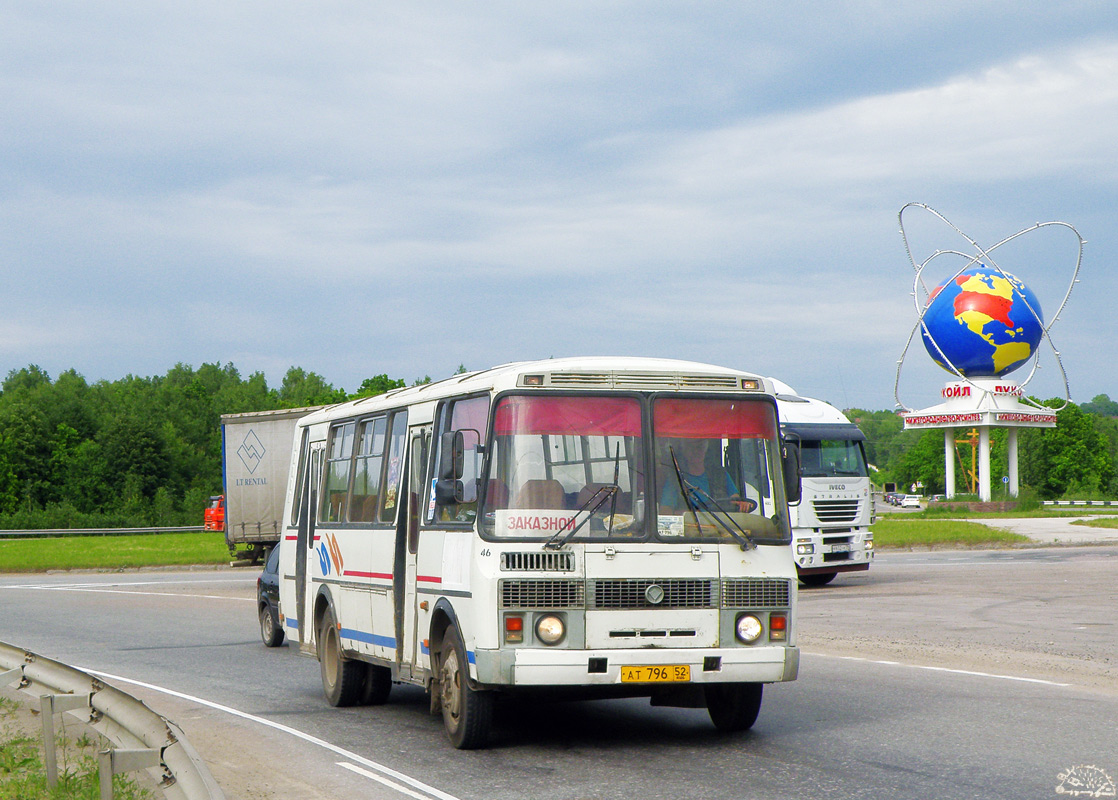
982 322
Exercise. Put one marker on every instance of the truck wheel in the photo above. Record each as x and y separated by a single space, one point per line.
271 633
378 685
342 680
467 713
733 706
818 578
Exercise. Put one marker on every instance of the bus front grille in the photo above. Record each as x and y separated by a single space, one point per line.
538 562
542 594
653 593
755 593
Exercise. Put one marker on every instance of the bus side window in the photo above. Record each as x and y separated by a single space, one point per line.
393 466
470 416
336 483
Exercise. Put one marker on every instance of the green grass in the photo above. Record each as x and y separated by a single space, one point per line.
23 776
112 552
1106 522
912 531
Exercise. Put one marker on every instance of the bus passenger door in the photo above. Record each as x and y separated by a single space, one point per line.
407 548
308 505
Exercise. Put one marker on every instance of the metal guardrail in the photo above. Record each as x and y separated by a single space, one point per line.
53 533
1073 503
142 738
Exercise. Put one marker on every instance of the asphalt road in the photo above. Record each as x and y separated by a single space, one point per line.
933 675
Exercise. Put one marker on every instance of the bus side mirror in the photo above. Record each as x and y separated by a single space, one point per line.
451 456
449 488
792 469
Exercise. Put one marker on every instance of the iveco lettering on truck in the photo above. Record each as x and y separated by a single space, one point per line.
601 526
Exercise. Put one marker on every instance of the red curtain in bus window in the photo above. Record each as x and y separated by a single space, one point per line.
713 419
568 416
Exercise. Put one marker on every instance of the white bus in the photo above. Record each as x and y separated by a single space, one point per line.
831 523
613 526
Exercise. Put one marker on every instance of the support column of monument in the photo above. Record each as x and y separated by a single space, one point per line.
949 461
984 463
1012 461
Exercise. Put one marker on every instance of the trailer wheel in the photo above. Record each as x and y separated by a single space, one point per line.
467 713
342 680
733 706
271 633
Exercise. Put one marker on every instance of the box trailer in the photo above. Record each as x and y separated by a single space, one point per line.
255 456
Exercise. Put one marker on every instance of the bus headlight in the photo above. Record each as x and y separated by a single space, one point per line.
550 629
749 629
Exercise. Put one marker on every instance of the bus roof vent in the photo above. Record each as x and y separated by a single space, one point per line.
580 379
641 380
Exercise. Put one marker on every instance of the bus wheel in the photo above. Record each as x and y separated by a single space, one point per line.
818 578
733 706
467 713
342 680
378 685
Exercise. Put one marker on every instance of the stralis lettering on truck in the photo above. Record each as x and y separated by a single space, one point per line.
252 482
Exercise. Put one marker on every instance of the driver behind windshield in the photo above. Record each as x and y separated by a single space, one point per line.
701 481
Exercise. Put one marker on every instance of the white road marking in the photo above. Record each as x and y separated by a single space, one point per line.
385 775
113 588
974 673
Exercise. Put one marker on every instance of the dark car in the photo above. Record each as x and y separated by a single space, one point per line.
267 601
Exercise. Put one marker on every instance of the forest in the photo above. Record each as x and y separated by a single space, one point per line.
147 451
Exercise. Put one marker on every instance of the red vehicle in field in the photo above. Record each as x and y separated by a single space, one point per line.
214 518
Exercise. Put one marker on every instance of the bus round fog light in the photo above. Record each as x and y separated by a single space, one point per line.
749 628
550 629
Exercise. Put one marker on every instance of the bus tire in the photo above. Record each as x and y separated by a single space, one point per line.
378 685
343 681
467 712
818 578
733 706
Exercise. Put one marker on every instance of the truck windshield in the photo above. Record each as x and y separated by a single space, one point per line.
718 470
566 465
832 459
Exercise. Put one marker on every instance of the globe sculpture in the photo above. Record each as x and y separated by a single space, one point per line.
982 323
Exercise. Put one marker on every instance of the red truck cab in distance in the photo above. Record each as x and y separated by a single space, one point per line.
214 517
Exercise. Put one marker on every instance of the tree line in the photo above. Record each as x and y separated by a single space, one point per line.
147 451
135 451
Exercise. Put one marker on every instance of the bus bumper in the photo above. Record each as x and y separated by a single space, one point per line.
550 667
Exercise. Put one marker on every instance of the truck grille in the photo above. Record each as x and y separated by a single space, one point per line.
830 511
638 593
538 562
542 594
755 593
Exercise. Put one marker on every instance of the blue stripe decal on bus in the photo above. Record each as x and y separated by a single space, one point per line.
291 623
425 650
368 638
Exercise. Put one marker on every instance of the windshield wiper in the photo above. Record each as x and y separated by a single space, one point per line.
592 504
713 507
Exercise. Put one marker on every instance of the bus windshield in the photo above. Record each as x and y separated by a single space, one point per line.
832 458
575 467
561 463
718 470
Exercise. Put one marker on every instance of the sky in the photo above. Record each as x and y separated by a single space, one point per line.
403 188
